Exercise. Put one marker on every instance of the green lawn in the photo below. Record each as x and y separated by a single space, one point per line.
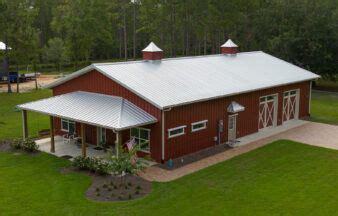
10 118
324 107
283 178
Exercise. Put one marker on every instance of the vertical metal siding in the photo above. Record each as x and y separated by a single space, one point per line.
214 110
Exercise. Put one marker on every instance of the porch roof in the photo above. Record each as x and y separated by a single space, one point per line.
106 111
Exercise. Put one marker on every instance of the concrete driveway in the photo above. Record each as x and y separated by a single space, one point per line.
316 134
312 133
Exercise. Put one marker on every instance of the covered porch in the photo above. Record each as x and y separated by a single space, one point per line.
76 115
66 150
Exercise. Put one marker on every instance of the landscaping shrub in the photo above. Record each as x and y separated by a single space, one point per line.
81 163
16 144
92 164
28 145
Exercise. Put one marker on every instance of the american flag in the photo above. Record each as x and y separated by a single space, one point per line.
131 143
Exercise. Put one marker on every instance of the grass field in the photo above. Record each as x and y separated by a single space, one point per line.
279 179
10 118
324 108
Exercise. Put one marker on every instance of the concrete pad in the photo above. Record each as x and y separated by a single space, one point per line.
63 149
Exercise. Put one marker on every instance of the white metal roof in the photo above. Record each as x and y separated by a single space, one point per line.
229 43
96 109
177 81
152 48
235 107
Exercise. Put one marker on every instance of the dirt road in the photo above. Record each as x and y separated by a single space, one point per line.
30 85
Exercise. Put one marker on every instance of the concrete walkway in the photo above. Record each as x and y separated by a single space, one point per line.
316 134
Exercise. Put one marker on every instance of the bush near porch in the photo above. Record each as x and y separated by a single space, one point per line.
281 178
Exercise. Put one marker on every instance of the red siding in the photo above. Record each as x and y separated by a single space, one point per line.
152 55
99 83
229 50
214 110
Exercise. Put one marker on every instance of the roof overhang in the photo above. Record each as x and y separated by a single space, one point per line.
100 110
235 107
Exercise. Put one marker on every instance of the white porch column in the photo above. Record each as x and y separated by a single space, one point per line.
52 141
118 142
24 124
84 153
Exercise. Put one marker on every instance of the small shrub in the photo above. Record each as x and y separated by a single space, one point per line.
28 145
104 185
126 187
112 195
115 187
119 197
109 189
130 184
98 194
130 196
102 167
112 183
97 189
91 164
81 162
137 192
16 144
138 187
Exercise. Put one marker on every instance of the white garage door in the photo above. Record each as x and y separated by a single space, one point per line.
267 111
290 105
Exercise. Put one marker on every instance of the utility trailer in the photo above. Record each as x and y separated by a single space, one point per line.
13 77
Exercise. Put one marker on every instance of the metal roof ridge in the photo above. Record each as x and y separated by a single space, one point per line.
99 94
170 58
121 112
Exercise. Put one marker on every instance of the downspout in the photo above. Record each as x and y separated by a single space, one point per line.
163 133
162 159
310 98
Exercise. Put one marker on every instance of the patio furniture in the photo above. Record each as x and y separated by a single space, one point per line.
66 138
71 138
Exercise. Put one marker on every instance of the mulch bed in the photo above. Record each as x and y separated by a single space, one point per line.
109 188
5 145
196 156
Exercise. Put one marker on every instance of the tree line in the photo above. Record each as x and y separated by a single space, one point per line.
77 32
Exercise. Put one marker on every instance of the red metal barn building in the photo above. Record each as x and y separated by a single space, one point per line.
176 106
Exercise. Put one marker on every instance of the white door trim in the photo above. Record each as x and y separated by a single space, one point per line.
290 108
232 131
268 112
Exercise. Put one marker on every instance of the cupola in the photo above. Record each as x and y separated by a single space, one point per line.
229 48
152 52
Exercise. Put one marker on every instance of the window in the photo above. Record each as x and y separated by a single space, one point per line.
178 131
293 92
142 138
267 98
196 126
68 126
231 122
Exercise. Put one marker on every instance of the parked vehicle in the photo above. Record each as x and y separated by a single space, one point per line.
13 76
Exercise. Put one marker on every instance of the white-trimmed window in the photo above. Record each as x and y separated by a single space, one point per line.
142 138
68 126
177 131
200 125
